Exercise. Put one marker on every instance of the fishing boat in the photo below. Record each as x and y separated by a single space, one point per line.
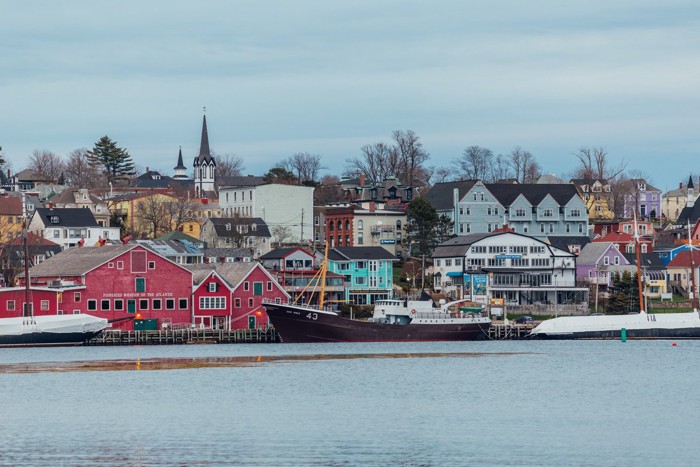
392 320
45 330
642 325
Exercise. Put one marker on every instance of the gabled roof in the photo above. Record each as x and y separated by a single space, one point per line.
349 253
649 186
440 195
232 273
178 235
66 217
33 240
563 242
67 196
592 252
550 179
78 261
535 193
457 246
220 226
280 253
691 213
682 260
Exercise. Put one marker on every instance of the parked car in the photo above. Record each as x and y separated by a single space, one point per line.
523 320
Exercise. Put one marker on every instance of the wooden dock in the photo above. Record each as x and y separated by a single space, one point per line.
185 336
499 331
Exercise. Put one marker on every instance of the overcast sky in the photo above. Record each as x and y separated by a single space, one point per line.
326 77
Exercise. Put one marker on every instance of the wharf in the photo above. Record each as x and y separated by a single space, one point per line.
185 336
500 331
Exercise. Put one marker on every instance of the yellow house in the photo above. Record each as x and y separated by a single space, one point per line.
597 197
10 218
202 209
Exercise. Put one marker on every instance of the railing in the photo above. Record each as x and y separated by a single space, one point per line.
560 310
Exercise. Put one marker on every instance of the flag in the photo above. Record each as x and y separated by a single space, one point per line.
81 242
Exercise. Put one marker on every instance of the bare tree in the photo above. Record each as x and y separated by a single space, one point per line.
410 156
180 212
475 163
328 191
304 166
439 175
281 233
152 217
46 164
500 169
79 172
375 163
595 165
228 165
525 167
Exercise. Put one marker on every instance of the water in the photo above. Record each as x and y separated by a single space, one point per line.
474 403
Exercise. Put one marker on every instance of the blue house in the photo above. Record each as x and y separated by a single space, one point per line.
666 253
368 272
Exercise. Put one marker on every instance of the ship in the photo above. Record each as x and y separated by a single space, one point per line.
641 325
392 320
45 330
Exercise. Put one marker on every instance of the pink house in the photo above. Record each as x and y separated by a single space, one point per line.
230 295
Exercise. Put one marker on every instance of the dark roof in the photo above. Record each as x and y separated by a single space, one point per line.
457 246
649 260
236 181
691 213
180 164
220 223
506 193
204 153
563 242
66 217
359 253
178 235
440 195
279 253
690 182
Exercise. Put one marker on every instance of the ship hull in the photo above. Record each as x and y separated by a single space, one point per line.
54 330
301 325
637 326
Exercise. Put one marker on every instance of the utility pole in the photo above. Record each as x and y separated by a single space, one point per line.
301 236
422 273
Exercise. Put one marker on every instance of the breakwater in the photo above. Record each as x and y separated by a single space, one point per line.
186 336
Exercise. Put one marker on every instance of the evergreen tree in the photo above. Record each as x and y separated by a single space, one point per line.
115 161
421 228
624 296
2 159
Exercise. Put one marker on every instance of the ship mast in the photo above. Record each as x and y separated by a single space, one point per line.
637 252
692 268
28 309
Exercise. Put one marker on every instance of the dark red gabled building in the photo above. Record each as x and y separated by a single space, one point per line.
124 283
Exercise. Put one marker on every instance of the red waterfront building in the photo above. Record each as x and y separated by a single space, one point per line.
124 283
230 295
45 300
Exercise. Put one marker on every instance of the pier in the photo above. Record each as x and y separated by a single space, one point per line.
500 331
186 336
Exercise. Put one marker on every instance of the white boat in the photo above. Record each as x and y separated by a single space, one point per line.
640 325
49 330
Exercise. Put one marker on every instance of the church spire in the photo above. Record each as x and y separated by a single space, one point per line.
180 170
204 153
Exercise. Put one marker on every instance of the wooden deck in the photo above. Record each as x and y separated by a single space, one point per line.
499 331
186 336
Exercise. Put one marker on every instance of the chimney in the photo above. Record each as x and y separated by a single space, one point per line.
680 184
362 180
372 206
148 169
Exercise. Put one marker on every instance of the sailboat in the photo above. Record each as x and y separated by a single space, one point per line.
642 325
45 330
393 320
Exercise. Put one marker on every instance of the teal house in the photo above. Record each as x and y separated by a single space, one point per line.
368 272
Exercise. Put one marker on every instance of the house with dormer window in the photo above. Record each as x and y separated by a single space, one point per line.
641 199
70 227
237 232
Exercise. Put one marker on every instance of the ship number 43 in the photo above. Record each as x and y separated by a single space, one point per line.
312 316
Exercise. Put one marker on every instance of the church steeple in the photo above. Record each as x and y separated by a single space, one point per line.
204 164
180 169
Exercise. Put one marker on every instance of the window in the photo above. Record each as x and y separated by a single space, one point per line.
10 305
437 262
575 213
104 305
118 304
606 260
361 264
213 287
617 260
143 304
212 303
360 238
92 305
458 261
120 264
76 297
548 212
182 304
448 262
360 225
541 228
110 265
237 302
151 265
157 304
169 303
246 286
520 212
140 284
269 286
250 303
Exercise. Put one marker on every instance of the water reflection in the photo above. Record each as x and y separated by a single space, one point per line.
184 363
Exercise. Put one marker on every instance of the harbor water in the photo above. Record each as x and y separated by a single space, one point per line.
514 403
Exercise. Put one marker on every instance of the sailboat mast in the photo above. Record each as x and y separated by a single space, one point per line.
637 252
28 311
692 268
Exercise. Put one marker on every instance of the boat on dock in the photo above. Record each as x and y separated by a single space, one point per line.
49 330
642 325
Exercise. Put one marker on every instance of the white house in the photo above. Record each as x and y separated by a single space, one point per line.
280 206
68 226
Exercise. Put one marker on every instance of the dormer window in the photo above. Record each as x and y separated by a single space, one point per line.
392 193
373 193
228 227
642 186
409 193
54 219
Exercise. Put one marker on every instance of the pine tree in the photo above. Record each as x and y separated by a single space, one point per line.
423 221
114 161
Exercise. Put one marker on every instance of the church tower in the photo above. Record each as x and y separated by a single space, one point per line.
180 171
692 196
204 165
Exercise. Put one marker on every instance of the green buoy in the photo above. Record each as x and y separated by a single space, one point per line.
623 334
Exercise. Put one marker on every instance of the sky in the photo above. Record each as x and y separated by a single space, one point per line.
281 77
